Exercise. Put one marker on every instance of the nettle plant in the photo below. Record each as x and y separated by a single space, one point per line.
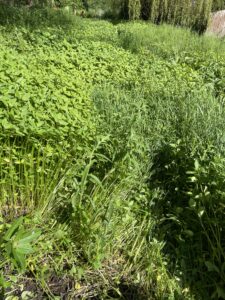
16 242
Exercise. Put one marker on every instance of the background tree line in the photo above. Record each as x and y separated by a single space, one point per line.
190 13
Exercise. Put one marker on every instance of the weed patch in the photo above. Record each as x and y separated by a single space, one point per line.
112 158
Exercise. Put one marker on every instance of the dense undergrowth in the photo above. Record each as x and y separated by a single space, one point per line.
112 161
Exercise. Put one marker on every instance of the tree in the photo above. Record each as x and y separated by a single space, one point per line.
194 14
218 5
134 9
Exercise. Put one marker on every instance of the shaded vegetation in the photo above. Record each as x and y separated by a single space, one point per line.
192 14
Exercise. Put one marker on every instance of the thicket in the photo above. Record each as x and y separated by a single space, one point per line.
112 160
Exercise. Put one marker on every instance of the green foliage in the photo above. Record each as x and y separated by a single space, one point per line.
187 13
190 217
112 142
134 9
218 5
17 242
36 17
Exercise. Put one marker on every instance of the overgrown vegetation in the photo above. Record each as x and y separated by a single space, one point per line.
188 13
218 5
192 14
112 160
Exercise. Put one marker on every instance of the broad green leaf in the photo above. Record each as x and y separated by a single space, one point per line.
13 228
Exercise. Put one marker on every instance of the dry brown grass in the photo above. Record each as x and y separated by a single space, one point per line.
217 24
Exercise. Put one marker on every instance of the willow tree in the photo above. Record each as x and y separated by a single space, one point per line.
201 13
145 9
154 10
218 5
189 13
134 9
172 11
184 14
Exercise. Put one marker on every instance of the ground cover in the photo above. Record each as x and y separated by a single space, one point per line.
112 161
